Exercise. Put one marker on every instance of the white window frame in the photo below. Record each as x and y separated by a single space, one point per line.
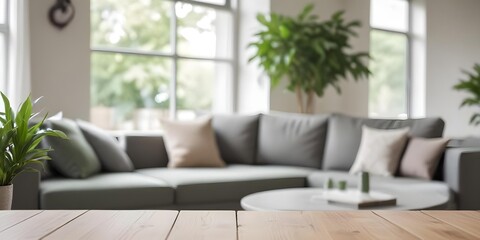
174 56
5 30
408 60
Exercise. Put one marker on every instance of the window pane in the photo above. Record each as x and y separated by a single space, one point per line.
203 32
142 25
3 11
389 14
129 92
389 74
202 88
216 2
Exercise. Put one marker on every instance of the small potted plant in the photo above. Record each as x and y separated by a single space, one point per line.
18 143
472 86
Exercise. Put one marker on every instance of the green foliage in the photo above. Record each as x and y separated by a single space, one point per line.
472 86
312 54
128 82
19 142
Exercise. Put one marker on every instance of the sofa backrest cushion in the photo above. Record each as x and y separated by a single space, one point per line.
72 157
292 139
344 135
146 151
111 155
236 137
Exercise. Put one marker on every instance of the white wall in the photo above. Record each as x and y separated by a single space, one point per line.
453 43
418 57
60 60
354 97
252 87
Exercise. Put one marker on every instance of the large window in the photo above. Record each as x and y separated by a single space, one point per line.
154 59
389 48
4 30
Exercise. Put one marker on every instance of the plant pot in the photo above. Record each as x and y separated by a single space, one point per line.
6 194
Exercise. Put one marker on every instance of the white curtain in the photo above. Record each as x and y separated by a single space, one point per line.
18 85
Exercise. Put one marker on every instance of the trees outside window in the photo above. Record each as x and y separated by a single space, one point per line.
154 59
389 48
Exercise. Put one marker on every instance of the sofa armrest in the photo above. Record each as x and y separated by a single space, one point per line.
26 191
462 174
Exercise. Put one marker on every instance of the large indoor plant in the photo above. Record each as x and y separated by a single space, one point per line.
312 54
18 143
472 86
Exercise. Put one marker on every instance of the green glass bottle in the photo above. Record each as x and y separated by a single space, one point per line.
364 182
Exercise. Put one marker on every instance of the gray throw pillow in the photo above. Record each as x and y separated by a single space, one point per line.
292 139
72 157
112 157
236 137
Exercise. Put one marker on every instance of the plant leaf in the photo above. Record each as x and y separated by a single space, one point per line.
305 12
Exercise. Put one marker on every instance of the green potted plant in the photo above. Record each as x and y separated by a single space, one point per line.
312 54
18 143
471 85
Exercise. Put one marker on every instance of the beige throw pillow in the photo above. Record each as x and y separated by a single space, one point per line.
191 143
380 150
422 156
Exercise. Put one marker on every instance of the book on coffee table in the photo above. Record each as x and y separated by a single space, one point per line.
357 199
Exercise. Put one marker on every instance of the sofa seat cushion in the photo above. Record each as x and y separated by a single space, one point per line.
105 191
398 186
202 185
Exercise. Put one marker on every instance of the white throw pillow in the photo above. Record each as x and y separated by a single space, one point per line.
191 143
380 151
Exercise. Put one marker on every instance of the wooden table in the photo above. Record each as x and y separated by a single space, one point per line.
225 225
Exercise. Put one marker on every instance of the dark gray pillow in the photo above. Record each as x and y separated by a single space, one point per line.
345 133
112 157
236 137
146 151
292 139
72 157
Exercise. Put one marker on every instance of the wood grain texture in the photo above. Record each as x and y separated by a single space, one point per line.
138 224
468 221
317 225
157 224
12 218
424 226
357 225
40 225
277 225
205 225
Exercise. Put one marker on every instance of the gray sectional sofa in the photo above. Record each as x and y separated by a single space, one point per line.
262 152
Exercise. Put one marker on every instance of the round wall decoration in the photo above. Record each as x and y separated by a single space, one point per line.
61 13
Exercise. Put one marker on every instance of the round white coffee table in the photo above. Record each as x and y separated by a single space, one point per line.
308 199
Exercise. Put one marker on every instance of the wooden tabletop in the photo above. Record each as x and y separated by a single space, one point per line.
225 225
